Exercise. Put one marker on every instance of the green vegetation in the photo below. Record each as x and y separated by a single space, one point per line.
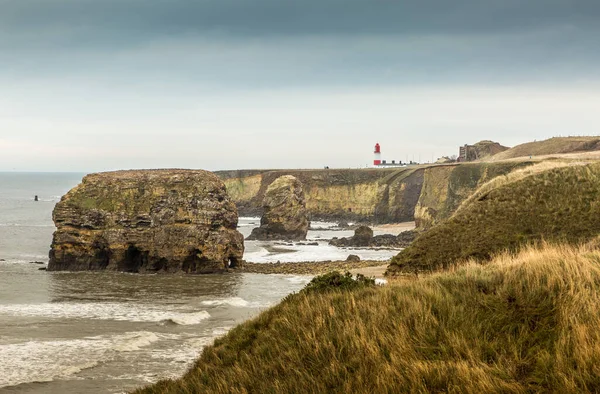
336 281
556 145
521 324
560 204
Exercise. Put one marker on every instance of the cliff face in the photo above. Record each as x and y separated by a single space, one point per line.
381 195
425 194
147 221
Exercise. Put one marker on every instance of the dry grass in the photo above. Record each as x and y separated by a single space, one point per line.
556 145
522 323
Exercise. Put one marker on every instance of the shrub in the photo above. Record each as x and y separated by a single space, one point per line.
337 281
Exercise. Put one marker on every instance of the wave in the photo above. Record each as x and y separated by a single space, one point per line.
299 279
104 311
232 301
186 319
134 341
25 225
44 361
236 302
248 224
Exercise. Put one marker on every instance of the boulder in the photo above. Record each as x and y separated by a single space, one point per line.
147 221
285 216
353 258
362 236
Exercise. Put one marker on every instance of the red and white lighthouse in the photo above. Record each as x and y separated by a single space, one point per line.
377 160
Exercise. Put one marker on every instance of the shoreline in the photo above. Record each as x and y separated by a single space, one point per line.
370 267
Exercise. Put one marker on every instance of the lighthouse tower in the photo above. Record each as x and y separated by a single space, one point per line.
377 160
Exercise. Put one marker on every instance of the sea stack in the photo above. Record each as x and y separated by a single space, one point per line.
147 221
285 216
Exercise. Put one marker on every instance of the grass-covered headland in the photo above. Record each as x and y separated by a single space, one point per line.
521 323
559 204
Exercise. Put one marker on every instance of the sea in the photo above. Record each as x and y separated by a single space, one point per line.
106 332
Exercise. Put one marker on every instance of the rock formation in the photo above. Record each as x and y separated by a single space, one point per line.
285 215
363 237
147 221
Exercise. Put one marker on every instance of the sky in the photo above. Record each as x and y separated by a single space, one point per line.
95 85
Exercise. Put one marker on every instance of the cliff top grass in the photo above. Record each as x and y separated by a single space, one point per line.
523 323
135 191
556 145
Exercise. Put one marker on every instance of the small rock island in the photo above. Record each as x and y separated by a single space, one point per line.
147 221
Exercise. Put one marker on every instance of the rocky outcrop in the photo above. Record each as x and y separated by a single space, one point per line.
147 221
285 216
363 237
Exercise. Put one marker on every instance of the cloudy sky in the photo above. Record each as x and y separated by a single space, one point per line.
91 85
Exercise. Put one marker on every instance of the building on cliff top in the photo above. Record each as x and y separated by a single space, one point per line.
467 153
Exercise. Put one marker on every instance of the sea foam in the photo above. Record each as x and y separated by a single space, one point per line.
44 361
104 311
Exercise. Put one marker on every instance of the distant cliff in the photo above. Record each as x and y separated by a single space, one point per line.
380 195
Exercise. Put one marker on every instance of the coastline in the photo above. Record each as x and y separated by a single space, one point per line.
366 267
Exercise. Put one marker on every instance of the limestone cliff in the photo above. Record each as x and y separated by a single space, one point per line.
377 195
147 221
426 194
285 216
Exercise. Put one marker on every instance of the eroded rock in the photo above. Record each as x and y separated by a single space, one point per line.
363 237
285 216
147 221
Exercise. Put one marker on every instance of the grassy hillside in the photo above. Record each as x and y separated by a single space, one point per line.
561 204
446 187
556 145
521 324
486 148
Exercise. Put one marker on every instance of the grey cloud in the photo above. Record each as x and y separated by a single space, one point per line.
272 43
123 22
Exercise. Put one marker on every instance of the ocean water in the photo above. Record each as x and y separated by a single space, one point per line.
103 332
